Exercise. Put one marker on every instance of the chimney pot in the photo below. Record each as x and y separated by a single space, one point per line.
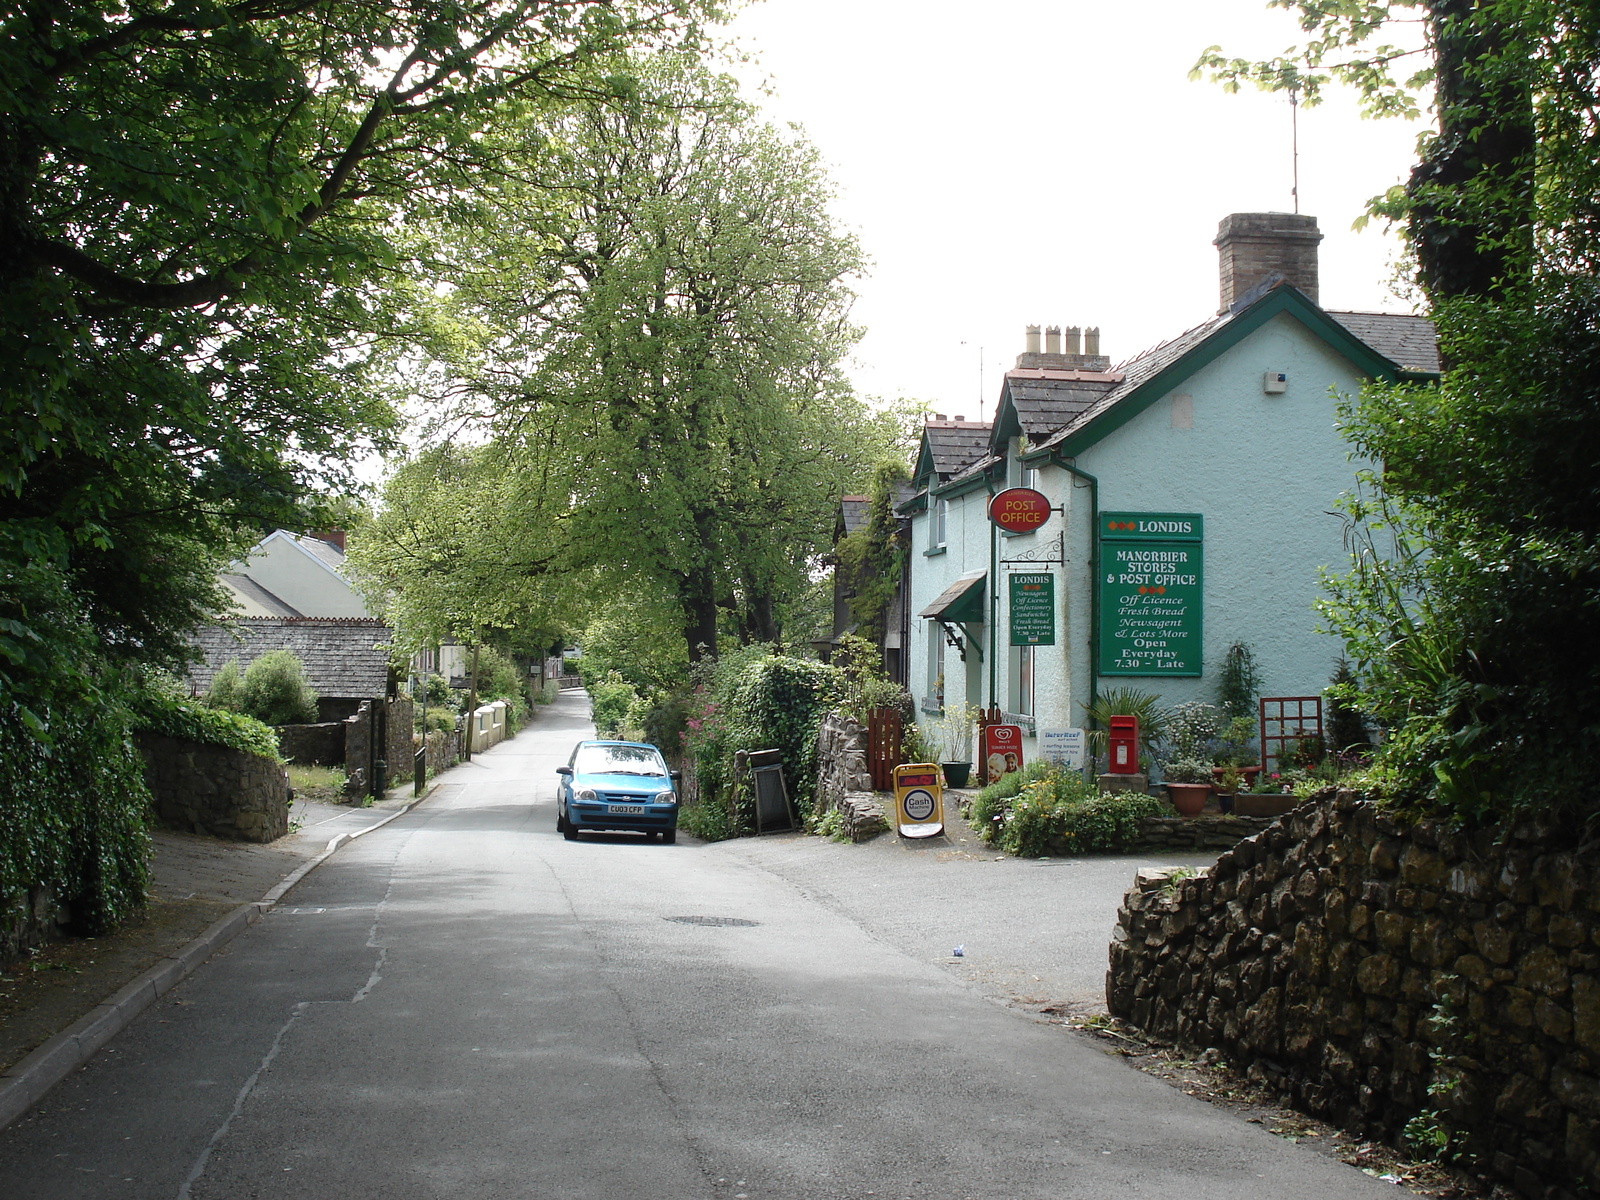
960 417
1072 340
1091 341
1052 339
1033 339
1255 248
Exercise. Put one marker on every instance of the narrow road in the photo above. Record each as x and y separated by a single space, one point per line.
462 1004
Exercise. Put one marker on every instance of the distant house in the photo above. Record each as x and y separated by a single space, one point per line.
293 575
851 518
1193 490
346 658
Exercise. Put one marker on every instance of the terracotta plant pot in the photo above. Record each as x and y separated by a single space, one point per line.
1188 798
1263 804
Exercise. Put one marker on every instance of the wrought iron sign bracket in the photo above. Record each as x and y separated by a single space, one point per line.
1052 553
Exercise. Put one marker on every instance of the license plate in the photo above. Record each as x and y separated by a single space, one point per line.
626 809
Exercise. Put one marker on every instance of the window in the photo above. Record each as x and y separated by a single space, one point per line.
936 530
1022 680
936 681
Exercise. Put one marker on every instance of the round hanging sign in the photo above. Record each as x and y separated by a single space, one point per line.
1019 510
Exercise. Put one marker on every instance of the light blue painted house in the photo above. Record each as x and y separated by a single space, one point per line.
1194 486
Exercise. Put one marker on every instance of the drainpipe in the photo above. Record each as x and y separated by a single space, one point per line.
1094 572
994 596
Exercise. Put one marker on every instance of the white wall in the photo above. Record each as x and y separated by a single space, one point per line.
305 583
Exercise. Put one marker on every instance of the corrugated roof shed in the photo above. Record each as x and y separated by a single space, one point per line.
346 658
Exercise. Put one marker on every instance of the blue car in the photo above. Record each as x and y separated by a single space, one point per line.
617 785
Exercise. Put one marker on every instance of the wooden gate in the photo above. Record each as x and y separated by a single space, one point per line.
883 747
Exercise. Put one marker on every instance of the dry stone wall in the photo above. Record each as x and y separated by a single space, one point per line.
844 782
226 793
1379 973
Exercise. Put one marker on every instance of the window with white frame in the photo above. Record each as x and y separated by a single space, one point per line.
936 680
939 515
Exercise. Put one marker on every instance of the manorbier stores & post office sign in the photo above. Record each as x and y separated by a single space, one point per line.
1152 589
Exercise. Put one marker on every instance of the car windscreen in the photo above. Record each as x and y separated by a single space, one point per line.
619 760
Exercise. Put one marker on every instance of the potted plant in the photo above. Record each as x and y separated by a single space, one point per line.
1266 799
1235 747
1188 783
1229 783
951 736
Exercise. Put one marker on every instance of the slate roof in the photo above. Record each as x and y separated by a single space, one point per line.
251 590
325 552
955 444
1407 341
346 658
1045 400
853 512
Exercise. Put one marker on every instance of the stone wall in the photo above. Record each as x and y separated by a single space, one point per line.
844 781
216 790
1355 962
1197 833
396 751
444 750
319 745
841 760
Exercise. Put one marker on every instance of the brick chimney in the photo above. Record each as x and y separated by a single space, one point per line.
1263 248
1058 357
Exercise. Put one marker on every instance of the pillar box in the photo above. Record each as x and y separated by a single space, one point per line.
1124 746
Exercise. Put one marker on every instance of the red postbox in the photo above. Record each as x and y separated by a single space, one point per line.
1124 742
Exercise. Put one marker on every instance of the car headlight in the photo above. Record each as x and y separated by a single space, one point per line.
585 794
666 798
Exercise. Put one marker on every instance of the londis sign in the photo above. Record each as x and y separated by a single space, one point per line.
1019 510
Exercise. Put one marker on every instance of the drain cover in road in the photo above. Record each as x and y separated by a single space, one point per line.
710 920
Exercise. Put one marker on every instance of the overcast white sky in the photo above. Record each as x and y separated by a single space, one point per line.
1023 162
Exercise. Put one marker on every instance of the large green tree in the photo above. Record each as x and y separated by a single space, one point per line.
670 284
1474 613
200 287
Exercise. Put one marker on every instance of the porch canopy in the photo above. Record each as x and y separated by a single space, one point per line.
961 602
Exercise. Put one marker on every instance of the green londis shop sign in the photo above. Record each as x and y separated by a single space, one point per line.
1033 609
1152 588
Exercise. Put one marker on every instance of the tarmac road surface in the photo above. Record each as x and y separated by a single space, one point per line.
462 1004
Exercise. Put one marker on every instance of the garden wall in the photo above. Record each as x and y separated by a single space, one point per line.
319 745
1355 962
217 790
844 782
359 732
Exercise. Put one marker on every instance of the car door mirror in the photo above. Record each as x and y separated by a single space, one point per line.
675 776
567 771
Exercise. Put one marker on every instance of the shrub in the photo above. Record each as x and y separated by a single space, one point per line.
1063 813
225 688
611 697
275 690
753 699
158 710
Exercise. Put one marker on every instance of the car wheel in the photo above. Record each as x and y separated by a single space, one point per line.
669 836
569 830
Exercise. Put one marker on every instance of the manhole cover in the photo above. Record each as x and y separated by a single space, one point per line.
711 921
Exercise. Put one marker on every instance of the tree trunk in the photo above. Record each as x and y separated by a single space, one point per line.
1472 194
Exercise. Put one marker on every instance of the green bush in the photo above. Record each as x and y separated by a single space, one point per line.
992 802
275 690
226 687
1059 812
611 697
73 813
160 711
753 699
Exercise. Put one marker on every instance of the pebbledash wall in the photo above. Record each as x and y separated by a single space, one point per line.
1358 961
